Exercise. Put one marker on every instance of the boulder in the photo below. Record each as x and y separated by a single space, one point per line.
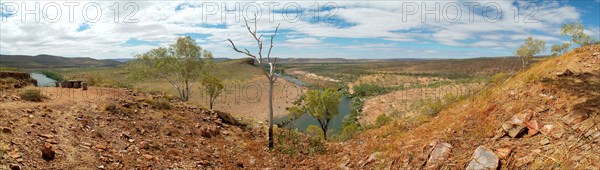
565 73
227 118
483 158
439 154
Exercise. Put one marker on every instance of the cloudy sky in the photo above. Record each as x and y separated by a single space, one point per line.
309 29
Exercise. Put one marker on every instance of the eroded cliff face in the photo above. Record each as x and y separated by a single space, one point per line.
15 79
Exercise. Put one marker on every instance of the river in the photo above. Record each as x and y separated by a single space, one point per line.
42 80
336 124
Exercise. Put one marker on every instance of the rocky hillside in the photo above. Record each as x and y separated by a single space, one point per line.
545 117
105 128
542 118
48 61
15 79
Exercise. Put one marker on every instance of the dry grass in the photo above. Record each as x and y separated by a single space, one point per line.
470 122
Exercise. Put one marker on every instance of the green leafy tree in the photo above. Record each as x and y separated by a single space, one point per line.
323 106
181 64
575 31
212 87
530 48
267 65
558 49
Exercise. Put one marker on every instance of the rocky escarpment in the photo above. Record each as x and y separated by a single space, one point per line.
18 79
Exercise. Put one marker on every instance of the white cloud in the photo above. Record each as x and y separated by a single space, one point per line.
381 20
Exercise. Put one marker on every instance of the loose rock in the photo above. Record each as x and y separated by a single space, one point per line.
545 141
515 131
6 130
439 154
532 127
15 167
483 158
503 153
47 152
144 145
574 118
584 125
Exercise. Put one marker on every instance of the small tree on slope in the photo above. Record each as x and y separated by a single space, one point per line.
530 48
181 64
321 105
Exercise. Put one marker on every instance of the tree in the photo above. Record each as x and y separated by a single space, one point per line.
181 64
212 87
267 66
323 106
575 31
558 49
530 48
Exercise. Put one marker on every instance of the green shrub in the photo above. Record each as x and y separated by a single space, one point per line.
8 81
314 131
112 107
382 119
350 124
316 145
288 142
369 90
53 75
8 69
94 80
498 78
161 103
432 107
31 94
348 131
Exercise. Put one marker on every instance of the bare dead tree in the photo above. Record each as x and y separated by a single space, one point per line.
267 66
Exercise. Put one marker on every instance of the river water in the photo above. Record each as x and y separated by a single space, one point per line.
336 124
42 80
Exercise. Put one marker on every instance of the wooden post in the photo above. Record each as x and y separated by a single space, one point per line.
84 85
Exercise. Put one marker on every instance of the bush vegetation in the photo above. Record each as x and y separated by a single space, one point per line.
161 103
292 142
432 107
8 81
8 69
382 120
351 125
314 131
31 94
53 75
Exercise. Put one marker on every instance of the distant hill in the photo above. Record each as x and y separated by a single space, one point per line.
44 61
340 60
124 60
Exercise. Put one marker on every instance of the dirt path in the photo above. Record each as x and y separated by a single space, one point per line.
65 96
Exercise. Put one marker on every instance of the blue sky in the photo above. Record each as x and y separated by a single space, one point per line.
308 29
